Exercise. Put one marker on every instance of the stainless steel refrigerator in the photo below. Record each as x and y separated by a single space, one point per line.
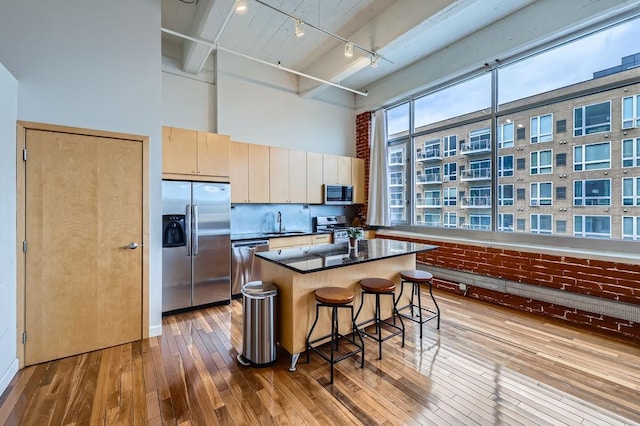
196 244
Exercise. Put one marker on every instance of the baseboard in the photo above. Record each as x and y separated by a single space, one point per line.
155 330
8 376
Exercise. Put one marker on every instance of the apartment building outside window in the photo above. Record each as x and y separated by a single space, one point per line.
566 160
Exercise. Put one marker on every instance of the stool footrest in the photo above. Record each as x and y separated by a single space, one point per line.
378 336
332 342
416 318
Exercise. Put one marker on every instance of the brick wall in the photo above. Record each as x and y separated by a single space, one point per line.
363 136
609 280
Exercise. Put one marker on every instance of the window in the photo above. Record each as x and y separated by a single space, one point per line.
541 128
631 191
479 197
561 126
450 144
520 194
541 162
431 151
592 226
561 192
592 157
521 163
561 226
450 220
521 224
592 192
631 227
398 121
432 219
505 135
631 112
396 178
520 134
541 224
430 175
396 158
541 194
505 222
398 190
478 170
432 198
505 166
481 222
450 172
450 196
561 159
631 152
396 199
592 119
505 195
479 141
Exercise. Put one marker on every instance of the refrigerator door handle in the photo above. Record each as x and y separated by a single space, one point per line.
195 229
188 231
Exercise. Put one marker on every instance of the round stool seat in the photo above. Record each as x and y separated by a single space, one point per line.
334 295
378 285
416 276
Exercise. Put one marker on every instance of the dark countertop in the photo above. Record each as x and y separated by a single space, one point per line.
327 256
269 235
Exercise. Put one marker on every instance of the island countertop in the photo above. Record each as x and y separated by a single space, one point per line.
316 258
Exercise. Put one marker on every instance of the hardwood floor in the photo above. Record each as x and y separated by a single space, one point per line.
487 365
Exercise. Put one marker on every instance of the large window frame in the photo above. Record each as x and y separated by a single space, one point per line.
631 112
585 119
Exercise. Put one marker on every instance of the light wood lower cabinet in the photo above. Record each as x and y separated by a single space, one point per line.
299 241
194 155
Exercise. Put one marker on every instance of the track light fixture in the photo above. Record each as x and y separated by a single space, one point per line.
348 49
374 61
299 31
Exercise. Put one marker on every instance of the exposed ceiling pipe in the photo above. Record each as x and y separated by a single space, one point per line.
215 46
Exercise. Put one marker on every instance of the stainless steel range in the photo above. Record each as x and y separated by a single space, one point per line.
335 224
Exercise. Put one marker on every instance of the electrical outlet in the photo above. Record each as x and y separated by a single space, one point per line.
462 286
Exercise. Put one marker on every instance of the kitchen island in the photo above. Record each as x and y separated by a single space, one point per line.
298 272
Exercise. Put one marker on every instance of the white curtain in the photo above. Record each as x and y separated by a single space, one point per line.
378 208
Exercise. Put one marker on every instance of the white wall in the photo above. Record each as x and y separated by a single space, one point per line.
8 331
260 104
92 64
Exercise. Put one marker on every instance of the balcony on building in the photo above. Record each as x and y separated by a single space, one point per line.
396 181
483 173
428 203
428 179
476 202
475 147
430 153
476 226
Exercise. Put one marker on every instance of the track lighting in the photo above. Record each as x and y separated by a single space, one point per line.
299 31
348 49
374 61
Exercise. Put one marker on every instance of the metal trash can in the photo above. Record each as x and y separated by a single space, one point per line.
259 331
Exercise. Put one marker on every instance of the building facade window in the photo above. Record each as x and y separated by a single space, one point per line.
505 222
592 119
541 128
450 172
631 152
450 220
631 227
561 226
541 224
631 191
541 162
481 222
450 144
450 196
505 135
631 112
505 195
479 141
432 198
521 224
432 219
592 157
541 194
505 166
592 226
596 192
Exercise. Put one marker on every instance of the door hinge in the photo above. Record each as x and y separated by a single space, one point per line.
24 246
24 154
24 337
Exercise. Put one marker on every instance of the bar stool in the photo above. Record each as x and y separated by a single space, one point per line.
417 277
335 298
380 287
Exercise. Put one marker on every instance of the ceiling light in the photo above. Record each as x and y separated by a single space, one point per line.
348 49
299 31
374 61
241 7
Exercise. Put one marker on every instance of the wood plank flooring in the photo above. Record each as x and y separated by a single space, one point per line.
486 365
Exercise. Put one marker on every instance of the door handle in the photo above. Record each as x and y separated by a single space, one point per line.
188 226
132 246
196 236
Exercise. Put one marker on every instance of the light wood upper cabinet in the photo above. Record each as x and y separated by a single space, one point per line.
189 154
314 178
258 173
288 175
344 170
357 180
329 169
239 172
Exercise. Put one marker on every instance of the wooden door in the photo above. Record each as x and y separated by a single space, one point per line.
83 207
239 172
258 173
314 178
297 176
179 151
279 175
213 155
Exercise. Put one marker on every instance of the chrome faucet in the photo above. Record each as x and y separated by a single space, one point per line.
279 220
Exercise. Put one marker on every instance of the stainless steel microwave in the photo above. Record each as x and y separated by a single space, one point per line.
338 194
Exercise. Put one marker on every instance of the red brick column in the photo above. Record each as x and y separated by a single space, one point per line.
363 141
608 280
